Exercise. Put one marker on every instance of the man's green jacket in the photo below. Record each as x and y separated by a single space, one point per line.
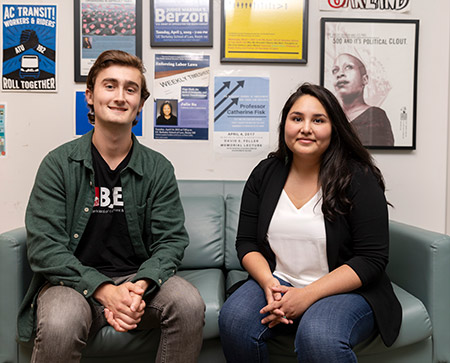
61 203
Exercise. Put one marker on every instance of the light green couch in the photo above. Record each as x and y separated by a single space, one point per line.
419 268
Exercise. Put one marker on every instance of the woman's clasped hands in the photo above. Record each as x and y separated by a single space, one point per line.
284 304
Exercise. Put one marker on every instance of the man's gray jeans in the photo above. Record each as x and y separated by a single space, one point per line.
65 320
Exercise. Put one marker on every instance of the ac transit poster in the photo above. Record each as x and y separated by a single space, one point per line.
181 22
29 48
181 96
241 115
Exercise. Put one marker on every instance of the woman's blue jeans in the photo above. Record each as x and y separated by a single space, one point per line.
326 332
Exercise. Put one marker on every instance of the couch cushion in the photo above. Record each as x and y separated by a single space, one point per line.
416 324
109 343
15 275
211 285
232 206
235 276
205 221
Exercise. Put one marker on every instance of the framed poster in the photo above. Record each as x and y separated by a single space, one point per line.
371 67
181 23
100 26
264 31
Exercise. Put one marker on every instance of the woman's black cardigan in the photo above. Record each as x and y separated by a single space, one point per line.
359 239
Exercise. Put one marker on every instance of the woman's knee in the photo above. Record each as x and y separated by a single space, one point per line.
228 318
332 326
240 317
242 334
310 335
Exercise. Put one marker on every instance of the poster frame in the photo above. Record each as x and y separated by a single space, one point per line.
78 36
274 18
370 26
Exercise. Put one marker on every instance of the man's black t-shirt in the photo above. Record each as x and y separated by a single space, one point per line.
106 244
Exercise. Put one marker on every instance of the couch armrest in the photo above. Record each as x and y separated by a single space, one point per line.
15 275
420 263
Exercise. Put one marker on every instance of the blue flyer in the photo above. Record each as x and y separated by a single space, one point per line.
82 124
29 48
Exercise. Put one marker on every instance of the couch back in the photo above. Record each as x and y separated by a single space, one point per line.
232 207
211 209
205 223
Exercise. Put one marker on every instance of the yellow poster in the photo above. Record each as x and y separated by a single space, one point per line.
264 30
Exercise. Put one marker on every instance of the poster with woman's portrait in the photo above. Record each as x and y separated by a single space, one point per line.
181 95
371 67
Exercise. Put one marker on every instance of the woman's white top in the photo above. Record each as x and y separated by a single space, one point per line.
298 239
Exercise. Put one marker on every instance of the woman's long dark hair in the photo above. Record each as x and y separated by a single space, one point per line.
338 161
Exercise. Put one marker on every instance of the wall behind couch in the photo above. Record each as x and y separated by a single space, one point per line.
416 180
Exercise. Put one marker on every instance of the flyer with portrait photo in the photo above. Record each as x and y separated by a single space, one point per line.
181 96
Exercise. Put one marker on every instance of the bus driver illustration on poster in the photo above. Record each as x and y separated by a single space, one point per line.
29 67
